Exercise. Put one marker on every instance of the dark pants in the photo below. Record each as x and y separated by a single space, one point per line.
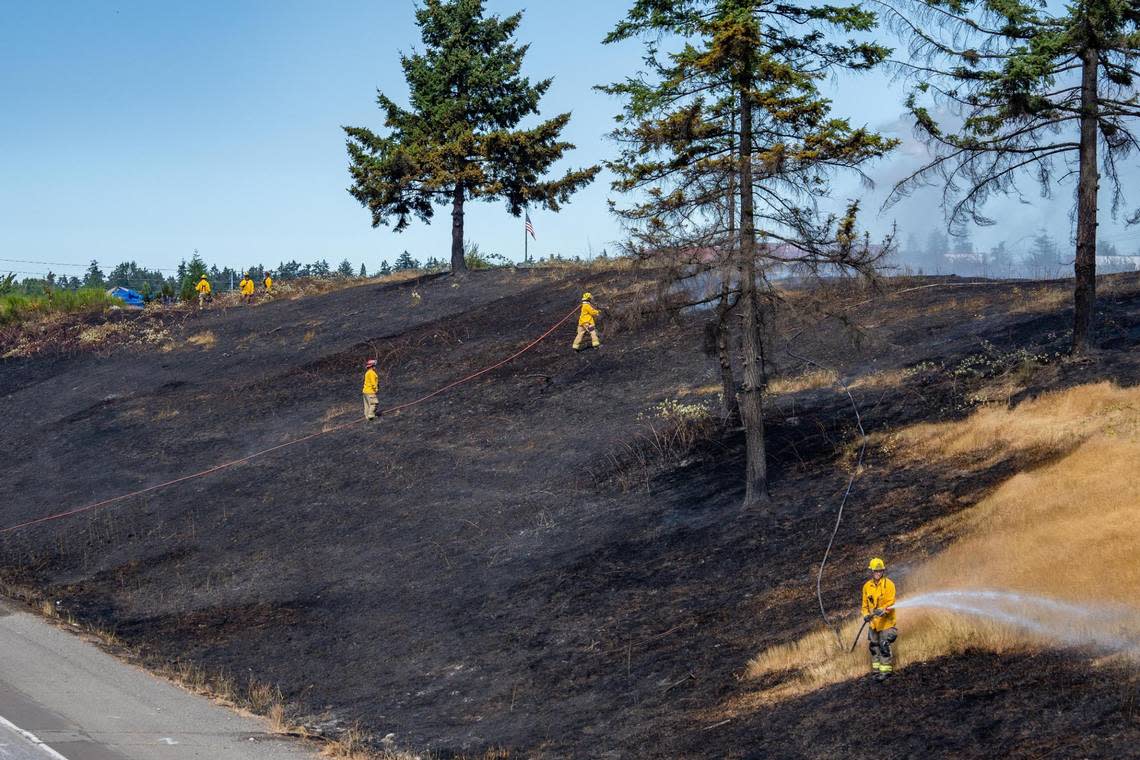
879 642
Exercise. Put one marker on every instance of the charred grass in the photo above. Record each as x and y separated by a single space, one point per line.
415 581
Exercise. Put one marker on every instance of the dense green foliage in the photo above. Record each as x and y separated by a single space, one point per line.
18 307
681 131
459 140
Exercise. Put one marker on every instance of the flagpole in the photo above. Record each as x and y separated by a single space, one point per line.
526 243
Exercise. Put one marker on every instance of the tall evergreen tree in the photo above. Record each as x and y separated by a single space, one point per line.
458 141
1042 87
937 246
999 261
405 262
729 142
189 275
93 277
1044 257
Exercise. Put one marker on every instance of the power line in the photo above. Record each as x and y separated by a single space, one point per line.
82 266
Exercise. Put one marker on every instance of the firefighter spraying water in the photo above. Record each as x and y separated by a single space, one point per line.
878 609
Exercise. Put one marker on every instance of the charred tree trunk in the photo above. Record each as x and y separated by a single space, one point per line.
752 386
1084 267
458 264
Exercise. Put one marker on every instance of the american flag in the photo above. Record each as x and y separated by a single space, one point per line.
530 227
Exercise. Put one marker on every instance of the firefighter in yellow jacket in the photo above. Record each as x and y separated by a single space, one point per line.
204 290
268 283
586 324
245 286
879 614
371 390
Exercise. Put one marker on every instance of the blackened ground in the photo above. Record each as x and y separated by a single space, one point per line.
480 571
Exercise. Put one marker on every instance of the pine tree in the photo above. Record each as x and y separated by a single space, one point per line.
344 269
459 141
1042 89
363 271
937 246
385 268
93 277
728 142
1043 260
288 271
404 262
999 262
190 276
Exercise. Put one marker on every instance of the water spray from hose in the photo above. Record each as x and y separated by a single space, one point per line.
1114 628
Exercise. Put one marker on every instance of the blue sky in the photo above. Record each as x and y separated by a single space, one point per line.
144 130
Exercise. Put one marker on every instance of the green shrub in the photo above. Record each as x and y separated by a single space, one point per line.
16 307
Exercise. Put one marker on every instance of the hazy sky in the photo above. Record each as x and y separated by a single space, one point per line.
143 130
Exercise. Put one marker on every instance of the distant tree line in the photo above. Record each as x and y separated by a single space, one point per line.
1038 256
159 283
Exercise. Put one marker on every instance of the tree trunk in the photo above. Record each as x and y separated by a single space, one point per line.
752 386
727 379
1084 267
724 307
458 264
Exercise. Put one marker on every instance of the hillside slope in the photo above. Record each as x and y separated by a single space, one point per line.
478 571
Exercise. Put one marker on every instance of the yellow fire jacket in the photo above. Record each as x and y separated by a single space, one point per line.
203 286
371 382
268 283
880 595
246 286
587 316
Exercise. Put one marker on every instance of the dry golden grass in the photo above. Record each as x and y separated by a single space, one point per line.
1068 530
352 745
612 263
711 389
101 333
816 378
336 411
879 380
204 339
1049 424
1039 298
278 723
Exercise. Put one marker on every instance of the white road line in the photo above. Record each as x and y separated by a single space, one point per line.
4 722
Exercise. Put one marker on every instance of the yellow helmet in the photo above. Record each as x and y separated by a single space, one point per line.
877 564
202 277
587 296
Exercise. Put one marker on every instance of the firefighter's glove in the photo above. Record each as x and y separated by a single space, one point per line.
880 613
866 618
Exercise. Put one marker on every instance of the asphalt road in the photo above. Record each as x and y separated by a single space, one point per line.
61 697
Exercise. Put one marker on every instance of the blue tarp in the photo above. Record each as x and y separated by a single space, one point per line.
130 297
